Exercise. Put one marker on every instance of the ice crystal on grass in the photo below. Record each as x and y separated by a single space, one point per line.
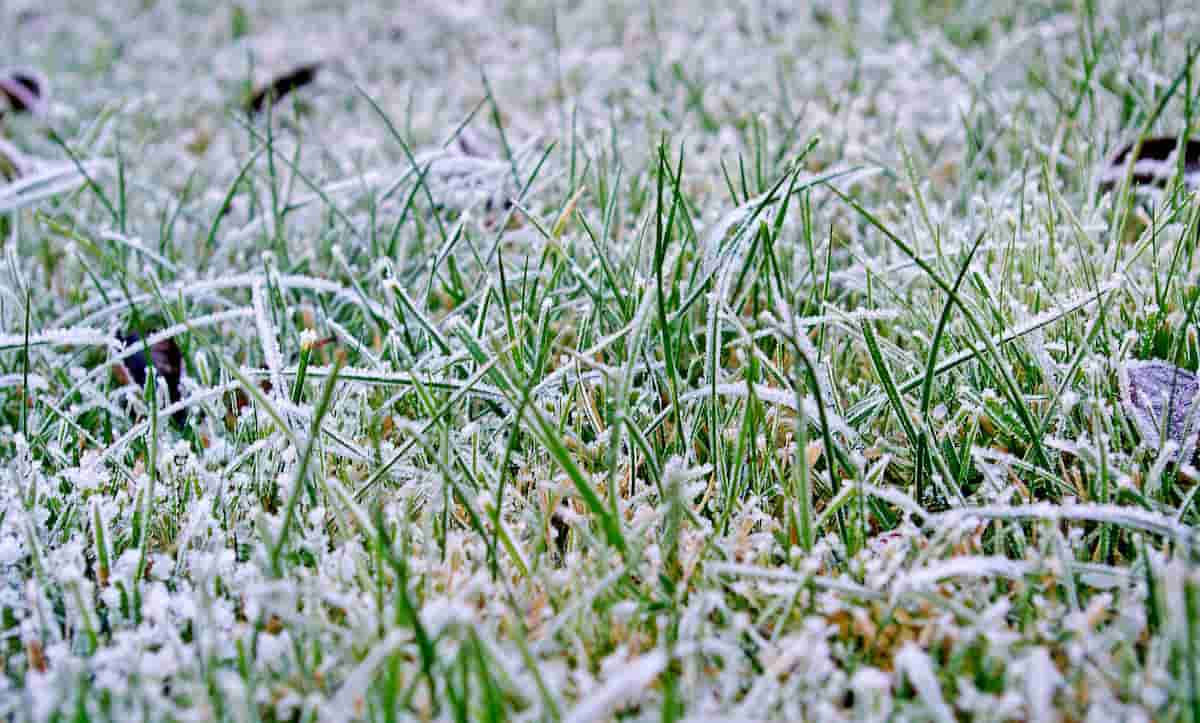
698 361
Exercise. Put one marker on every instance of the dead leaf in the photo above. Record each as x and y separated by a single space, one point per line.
1157 395
168 364
1155 164
271 93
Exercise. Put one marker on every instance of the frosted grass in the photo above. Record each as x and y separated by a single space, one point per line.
631 413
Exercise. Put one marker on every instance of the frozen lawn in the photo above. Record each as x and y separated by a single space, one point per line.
722 360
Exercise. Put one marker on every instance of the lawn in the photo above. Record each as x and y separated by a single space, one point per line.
598 360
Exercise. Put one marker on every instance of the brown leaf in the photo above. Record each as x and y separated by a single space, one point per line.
168 364
281 86
1155 164
23 91
36 655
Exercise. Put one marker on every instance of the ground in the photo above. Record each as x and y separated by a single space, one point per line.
685 360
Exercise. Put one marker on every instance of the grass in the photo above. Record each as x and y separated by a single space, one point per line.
688 362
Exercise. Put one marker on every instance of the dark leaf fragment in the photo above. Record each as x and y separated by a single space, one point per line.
167 361
1155 164
23 91
1159 397
281 86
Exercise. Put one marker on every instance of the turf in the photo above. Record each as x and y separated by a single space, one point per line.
684 360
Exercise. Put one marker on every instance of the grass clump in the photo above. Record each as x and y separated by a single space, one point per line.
604 362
